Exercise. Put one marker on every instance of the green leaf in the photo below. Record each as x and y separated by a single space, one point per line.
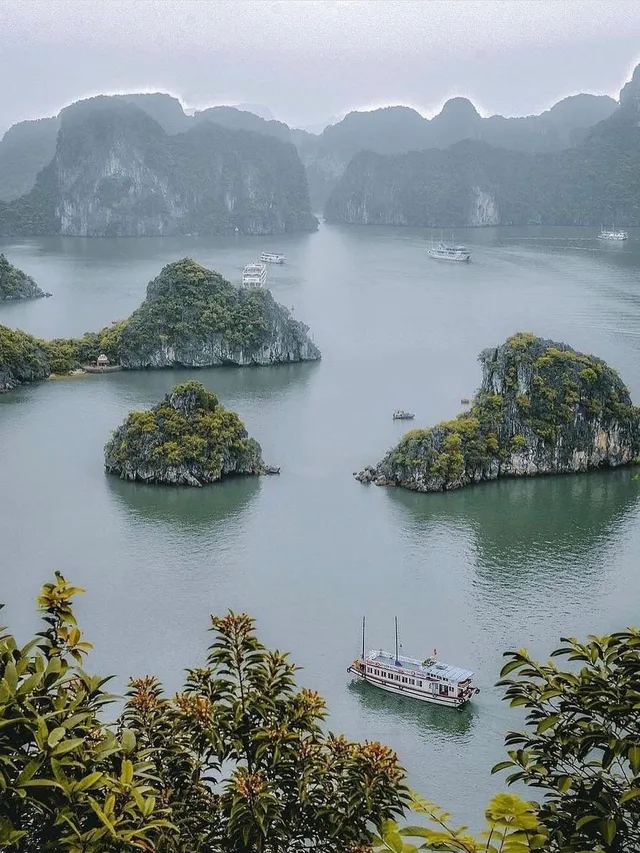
630 795
634 759
67 745
56 736
126 774
128 740
102 817
609 829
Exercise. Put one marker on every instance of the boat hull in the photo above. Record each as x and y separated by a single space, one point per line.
463 259
410 692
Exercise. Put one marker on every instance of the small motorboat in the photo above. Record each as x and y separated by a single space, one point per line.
401 415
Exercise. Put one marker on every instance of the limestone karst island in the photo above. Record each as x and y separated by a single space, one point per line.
188 439
542 408
191 317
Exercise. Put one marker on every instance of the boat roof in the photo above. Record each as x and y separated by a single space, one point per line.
430 667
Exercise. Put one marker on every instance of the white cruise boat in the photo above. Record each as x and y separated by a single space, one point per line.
429 680
272 258
254 276
614 235
449 252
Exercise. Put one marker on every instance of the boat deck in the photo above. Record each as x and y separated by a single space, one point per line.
436 669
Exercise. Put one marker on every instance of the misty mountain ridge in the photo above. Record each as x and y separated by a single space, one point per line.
386 130
473 183
117 172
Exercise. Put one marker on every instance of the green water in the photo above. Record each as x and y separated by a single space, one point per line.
501 565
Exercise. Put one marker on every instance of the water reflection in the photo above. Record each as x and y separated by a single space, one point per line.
249 384
426 719
193 510
519 523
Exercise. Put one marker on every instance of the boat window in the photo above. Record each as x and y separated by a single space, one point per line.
419 684
413 681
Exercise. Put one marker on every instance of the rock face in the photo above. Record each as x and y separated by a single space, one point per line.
473 183
22 359
396 130
192 317
15 284
542 408
117 173
189 439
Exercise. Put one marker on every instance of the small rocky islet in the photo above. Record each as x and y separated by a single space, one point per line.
542 408
16 284
188 439
191 317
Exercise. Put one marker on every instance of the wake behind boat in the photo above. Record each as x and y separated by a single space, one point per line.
449 252
429 680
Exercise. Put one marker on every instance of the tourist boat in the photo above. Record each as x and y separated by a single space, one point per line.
449 252
272 258
614 235
401 415
254 275
428 680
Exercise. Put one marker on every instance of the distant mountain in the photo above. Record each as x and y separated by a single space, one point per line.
236 119
25 149
257 109
116 172
394 130
475 183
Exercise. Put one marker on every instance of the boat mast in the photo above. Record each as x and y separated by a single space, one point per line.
363 621
397 661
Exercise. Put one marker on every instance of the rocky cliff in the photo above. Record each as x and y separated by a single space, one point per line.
22 359
193 317
15 284
542 408
473 183
116 172
189 439
396 130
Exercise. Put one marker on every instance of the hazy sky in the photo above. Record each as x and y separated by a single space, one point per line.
309 59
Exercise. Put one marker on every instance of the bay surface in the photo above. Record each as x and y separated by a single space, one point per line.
499 566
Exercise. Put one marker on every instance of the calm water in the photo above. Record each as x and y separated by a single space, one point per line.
500 566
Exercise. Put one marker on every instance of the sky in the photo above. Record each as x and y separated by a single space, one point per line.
311 60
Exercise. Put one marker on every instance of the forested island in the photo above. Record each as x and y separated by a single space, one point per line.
16 284
191 317
188 439
542 408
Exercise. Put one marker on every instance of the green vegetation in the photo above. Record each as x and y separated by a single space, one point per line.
580 749
191 316
237 762
188 304
22 359
536 395
188 439
15 284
